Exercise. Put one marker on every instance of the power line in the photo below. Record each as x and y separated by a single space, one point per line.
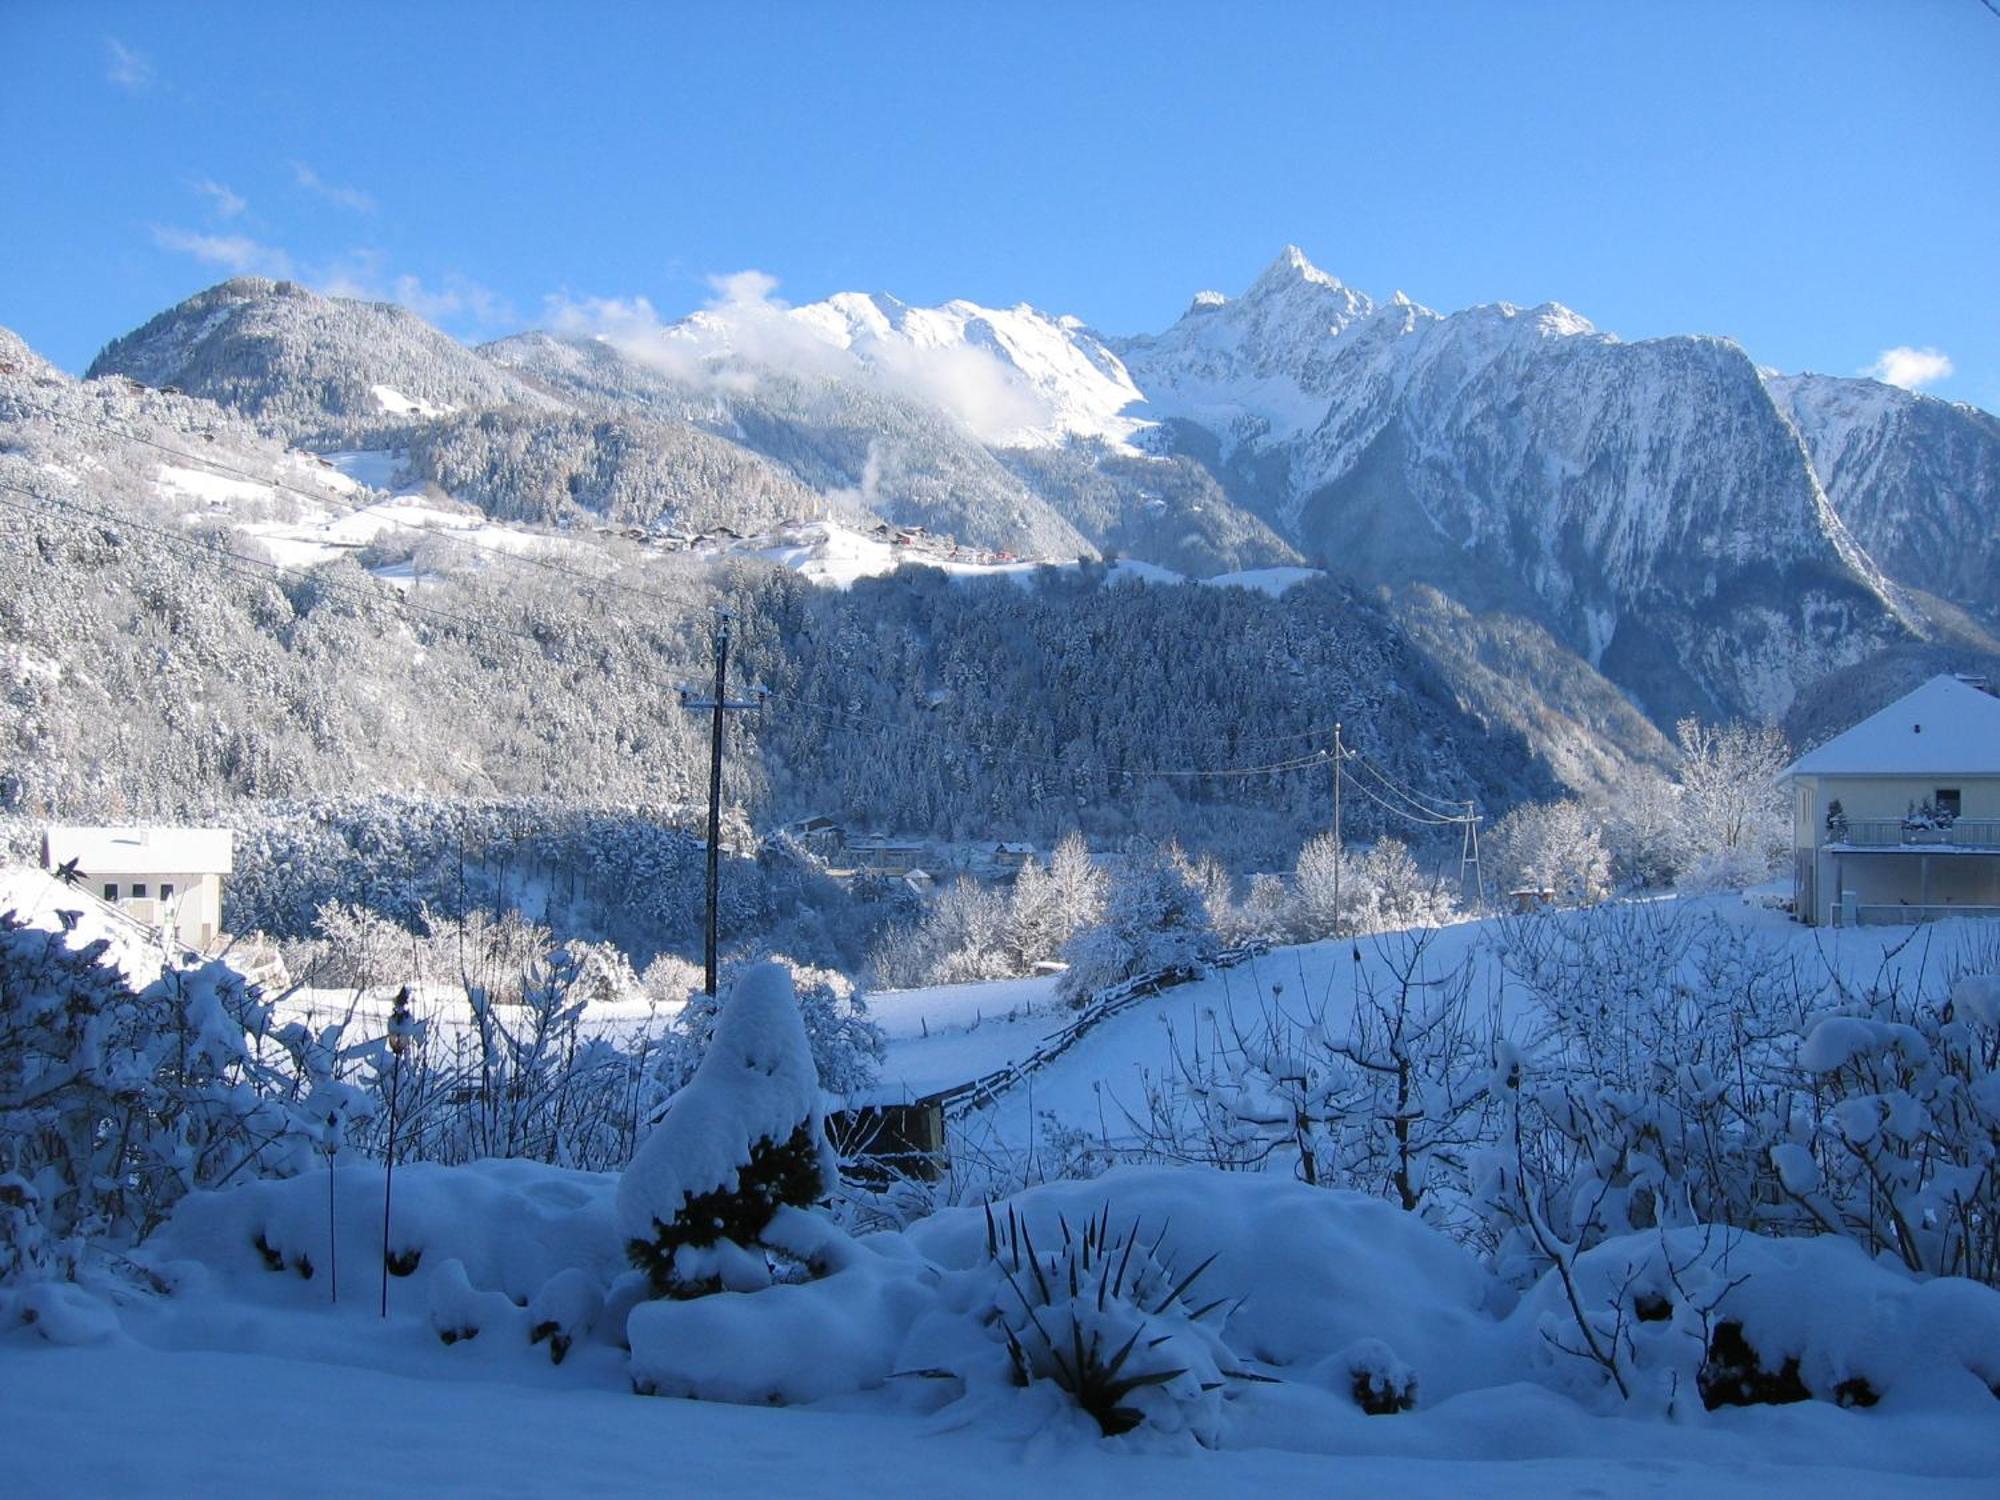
1397 789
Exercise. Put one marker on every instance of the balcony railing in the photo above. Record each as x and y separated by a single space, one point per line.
1904 914
1896 833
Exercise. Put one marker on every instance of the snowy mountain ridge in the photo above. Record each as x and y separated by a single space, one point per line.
1708 536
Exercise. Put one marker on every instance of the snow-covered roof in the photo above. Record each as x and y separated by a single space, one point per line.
1944 728
142 851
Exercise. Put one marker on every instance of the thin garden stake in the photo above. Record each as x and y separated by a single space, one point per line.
399 1040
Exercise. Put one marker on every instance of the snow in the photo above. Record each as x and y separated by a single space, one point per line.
41 901
1016 376
111 852
374 468
1272 581
397 404
154 1395
829 553
320 536
976 1029
212 489
499 1367
1944 728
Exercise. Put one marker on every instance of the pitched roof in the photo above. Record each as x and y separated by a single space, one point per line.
1944 728
142 851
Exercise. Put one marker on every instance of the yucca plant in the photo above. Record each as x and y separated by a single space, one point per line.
1105 1319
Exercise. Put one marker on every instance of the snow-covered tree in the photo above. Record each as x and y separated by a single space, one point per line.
1154 919
740 1142
1553 846
1730 797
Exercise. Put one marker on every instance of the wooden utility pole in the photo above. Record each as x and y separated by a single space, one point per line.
1339 850
717 704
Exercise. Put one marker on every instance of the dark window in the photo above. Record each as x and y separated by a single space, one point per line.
110 890
139 890
1948 801
166 890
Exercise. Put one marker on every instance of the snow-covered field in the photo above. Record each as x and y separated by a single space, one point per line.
260 1347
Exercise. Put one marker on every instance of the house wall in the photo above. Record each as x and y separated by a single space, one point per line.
1956 877
197 900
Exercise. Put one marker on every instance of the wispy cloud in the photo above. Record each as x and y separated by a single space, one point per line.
127 68
364 274
1912 369
453 297
237 254
350 198
223 203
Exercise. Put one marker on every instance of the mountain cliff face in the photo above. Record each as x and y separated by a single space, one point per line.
1700 536
1916 480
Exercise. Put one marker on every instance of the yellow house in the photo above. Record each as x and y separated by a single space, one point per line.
1898 819
169 878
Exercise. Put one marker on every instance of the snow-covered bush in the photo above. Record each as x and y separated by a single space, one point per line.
1118 1328
741 1140
1703 1317
116 1101
1903 1153
1389 1102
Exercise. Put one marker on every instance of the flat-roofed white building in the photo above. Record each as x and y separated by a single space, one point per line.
169 878
1898 819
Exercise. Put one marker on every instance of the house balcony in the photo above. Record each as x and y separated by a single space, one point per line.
1875 835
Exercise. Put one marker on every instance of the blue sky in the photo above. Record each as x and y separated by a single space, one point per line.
1818 180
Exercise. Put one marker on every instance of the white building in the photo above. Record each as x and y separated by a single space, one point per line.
169 878
1898 819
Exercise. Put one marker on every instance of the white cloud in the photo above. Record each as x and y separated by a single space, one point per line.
744 329
128 69
342 197
1912 369
236 253
222 202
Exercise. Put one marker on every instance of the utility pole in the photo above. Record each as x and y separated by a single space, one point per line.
1468 855
717 704
1339 850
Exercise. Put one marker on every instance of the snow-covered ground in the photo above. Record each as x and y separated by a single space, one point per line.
254 1367
830 553
251 1376
955 1033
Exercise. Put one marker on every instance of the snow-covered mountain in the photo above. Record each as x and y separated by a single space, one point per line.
325 370
1055 379
1704 537
1916 480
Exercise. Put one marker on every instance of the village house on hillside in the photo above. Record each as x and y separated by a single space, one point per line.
170 878
1898 819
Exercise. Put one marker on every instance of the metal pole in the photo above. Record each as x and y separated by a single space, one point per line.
715 803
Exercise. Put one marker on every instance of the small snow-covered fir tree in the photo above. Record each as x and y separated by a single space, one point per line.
741 1141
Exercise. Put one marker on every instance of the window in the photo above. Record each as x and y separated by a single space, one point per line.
110 890
166 890
1947 801
138 890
